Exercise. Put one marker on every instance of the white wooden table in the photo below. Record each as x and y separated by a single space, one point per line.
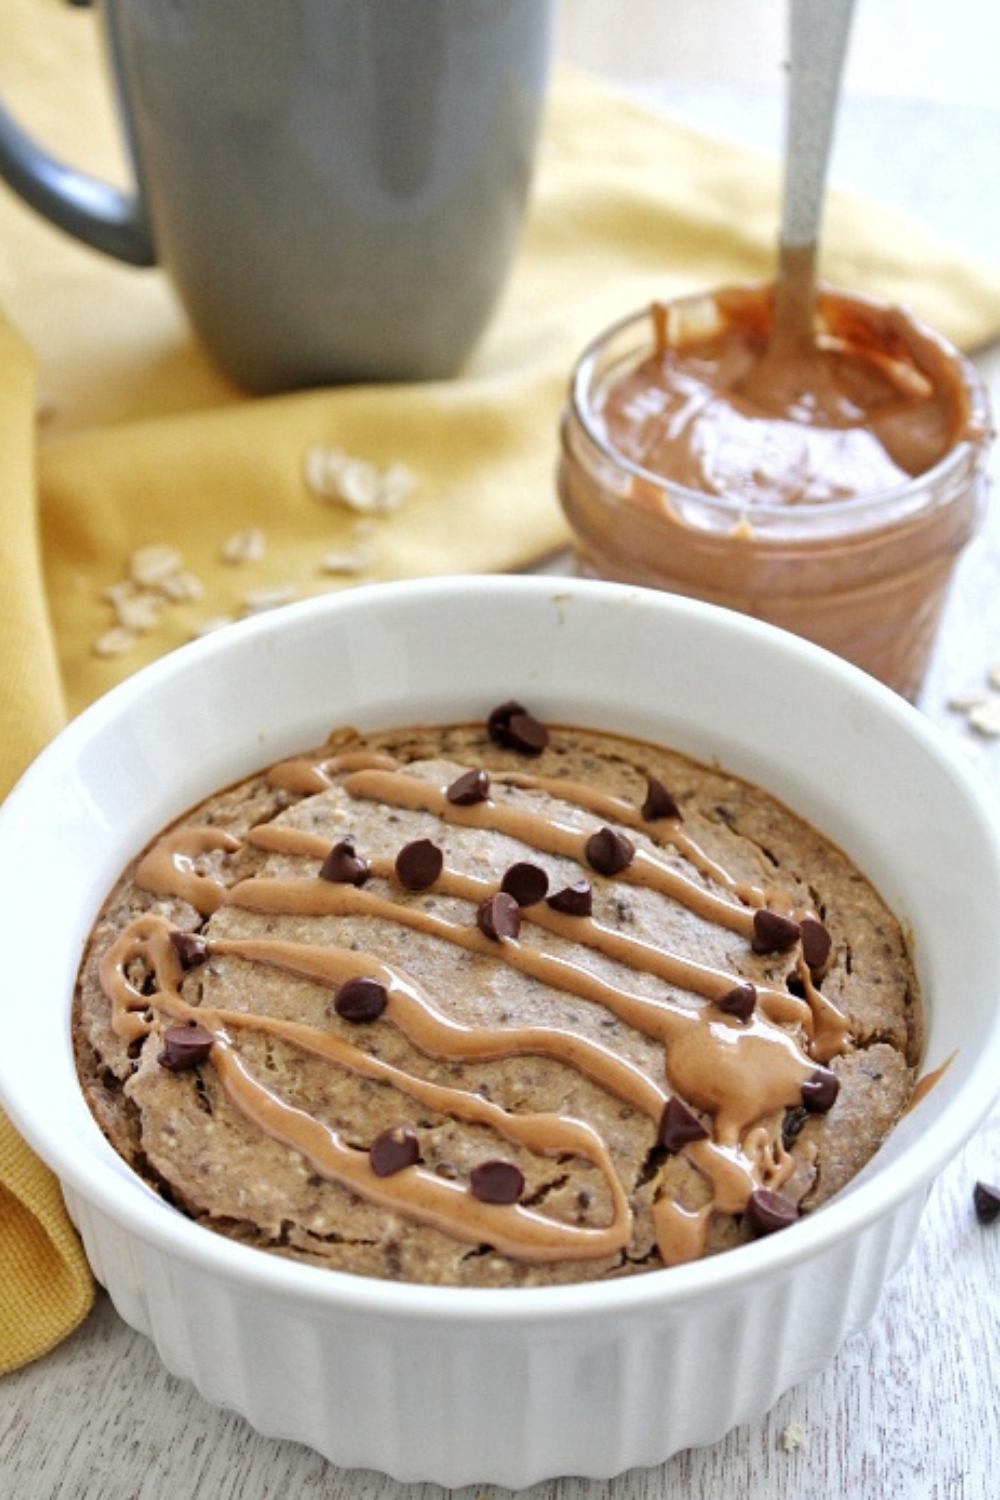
909 1409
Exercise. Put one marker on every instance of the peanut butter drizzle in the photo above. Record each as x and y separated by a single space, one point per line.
514 1229
681 1233
307 774
169 867
700 979
668 830
928 1081
737 1072
414 1013
396 789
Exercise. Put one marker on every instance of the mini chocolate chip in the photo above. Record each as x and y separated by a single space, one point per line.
419 864
608 851
820 1090
191 949
740 1001
392 1150
496 1182
816 942
511 725
773 933
499 916
360 999
344 866
767 1211
679 1126
986 1200
185 1047
576 900
527 883
659 803
471 786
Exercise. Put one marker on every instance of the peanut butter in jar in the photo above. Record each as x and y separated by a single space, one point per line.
835 505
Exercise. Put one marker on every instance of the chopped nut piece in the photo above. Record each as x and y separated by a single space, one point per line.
792 1437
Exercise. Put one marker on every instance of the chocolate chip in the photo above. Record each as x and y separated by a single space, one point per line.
679 1126
767 1211
419 864
816 942
499 916
576 900
470 787
185 1047
659 803
360 999
820 1090
191 949
344 865
986 1200
511 725
773 933
392 1150
527 883
740 1001
496 1182
608 851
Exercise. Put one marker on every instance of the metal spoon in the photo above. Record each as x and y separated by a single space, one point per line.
818 40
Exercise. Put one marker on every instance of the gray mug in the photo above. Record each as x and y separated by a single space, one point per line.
335 188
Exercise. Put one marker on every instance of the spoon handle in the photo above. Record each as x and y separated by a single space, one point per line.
818 33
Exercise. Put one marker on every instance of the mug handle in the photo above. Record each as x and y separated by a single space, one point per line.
96 212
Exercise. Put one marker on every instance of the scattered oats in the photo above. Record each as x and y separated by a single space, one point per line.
149 566
792 1437
115 642
244 546
357 482
985 717
139 612
398 484
963 702
258 600
354 561
115 592
213 623
182 587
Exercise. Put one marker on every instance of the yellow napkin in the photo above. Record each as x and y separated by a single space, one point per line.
45 1286
139 443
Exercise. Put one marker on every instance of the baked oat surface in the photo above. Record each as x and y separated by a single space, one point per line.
369 1063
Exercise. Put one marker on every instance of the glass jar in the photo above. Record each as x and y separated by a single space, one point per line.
865 576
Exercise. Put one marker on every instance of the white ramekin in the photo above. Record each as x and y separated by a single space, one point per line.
507 1387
